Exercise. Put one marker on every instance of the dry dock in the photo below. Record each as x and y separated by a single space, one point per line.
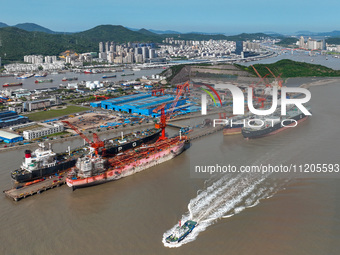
36 188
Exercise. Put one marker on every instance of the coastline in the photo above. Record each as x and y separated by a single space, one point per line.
327 81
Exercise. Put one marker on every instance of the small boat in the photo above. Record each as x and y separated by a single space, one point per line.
109 76
42 81
127 74
70 79
25 76
40 75
181 232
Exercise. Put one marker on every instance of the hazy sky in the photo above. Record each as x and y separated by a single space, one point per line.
222 16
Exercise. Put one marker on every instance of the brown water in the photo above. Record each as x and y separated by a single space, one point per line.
130 216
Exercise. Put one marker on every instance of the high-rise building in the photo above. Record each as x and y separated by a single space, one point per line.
138 50
106 46
324 44
102 55
112 47
139 58
145 53
302 42
239 47
101 47
152 53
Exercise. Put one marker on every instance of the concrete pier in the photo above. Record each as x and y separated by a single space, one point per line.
36 188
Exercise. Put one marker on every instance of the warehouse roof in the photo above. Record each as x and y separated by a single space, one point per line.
8 135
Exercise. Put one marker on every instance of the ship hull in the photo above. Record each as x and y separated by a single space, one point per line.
272 129
43 172
129 169
63 166
132 144
232 131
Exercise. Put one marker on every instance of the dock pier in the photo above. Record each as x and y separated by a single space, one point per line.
17 194
198 133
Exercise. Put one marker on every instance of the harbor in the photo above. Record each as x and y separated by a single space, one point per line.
73 213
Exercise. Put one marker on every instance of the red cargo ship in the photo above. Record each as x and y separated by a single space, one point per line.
12 84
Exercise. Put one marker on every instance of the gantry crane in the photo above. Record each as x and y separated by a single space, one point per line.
157 92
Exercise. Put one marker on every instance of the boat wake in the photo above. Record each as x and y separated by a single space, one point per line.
224 198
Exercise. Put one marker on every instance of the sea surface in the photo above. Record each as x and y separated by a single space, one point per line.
238 214
302 56
57 78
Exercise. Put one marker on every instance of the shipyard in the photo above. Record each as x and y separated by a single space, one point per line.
161 128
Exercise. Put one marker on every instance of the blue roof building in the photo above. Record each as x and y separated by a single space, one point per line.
142 104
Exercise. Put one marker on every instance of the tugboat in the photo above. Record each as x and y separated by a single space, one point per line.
181 232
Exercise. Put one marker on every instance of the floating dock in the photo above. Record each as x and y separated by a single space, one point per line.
36 188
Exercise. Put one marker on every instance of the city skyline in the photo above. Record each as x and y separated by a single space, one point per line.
215 17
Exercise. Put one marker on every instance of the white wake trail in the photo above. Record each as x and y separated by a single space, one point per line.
224 198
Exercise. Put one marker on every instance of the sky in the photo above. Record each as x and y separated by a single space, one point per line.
223 16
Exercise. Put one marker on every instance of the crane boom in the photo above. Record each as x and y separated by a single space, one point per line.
164 117
77 131
258 74
96 144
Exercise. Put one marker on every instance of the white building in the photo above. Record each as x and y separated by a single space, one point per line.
31 134
93 85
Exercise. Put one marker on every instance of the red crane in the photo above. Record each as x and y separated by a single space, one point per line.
279 81
158 92
181 87
96 144
260 99
99 96
162 123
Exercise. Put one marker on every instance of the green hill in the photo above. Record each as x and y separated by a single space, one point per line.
3 24
147 32
17 42
290 68
116 33
246 37
197 36
34 27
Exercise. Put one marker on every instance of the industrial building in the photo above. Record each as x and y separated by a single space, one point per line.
41 104
36 133
9 137
142 103
11 118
